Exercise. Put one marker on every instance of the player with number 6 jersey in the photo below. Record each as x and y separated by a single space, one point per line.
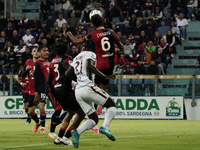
105 40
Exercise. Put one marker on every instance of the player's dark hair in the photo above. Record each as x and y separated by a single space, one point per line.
40 48
91 45
97 20
61 46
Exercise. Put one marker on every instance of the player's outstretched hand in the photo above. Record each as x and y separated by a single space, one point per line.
24 84
110 77
28 68
36 98
69 33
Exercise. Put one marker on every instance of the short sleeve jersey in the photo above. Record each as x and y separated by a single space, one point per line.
80 64
105 40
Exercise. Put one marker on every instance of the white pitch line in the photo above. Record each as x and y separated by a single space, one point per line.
134 136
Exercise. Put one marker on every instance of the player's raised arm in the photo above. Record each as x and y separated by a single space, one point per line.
74 39
120 46
25 70
69 72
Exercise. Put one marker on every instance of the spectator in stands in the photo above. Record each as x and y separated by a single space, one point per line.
153 68
180 7
156 40
3 61
127 29
133 58
84 33
144 39
117 69
168 20
137 29
140 49
148 8
27 55
163 29
165 47
12 60
55 30
21 48
157 14
73 22
140 68
3 40
50 21
122 60
64 29
198 62
45 43
50 39
89 27
15 38
32 44
175 30
98 7
44 9
170 39
124 10
132 39
133 20
160 59
18 66
74 52
136 8
14 22
40 38
67 8
57 8
60 20
168 6
23 24
44 28
79 9
78 32
8 47
3 22
150 48
122 39
182 24
89 7
106 23
146 57
150 28
128 69
27 37
9 30
35 25
128 47
1 7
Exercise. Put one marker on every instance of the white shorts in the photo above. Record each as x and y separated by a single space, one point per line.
87 96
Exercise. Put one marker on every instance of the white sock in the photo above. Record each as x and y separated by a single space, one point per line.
42 128
109 115
95 127
87 125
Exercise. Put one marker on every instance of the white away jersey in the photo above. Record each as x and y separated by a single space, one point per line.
80 64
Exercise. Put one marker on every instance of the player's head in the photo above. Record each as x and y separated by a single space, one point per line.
90 45
43 52
34 52
97 20
61 46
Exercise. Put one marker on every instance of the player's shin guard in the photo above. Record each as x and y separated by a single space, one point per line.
68 133
87 125
43 118
55 120
35 118
109 115
61 132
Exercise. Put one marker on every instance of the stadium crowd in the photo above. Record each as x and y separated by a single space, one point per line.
149 31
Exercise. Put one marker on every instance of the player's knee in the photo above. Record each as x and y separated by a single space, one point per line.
110 103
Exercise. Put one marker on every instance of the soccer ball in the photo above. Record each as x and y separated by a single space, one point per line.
94 12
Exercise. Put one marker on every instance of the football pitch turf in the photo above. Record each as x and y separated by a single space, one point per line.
130 134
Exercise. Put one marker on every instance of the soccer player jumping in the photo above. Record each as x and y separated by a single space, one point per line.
87 93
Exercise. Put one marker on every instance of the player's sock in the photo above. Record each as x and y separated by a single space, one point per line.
43 118
95 127
28 116
68 133
61 132
54 120
35 118
109 115
87 125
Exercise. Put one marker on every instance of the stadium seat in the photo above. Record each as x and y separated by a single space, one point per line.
197 71
21 34
111 88
125 85
151 84
135 87
34 34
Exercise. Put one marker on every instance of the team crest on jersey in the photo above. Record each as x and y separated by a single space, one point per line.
70 62
33 68
92 56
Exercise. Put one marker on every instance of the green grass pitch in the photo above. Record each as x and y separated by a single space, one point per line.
130 134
